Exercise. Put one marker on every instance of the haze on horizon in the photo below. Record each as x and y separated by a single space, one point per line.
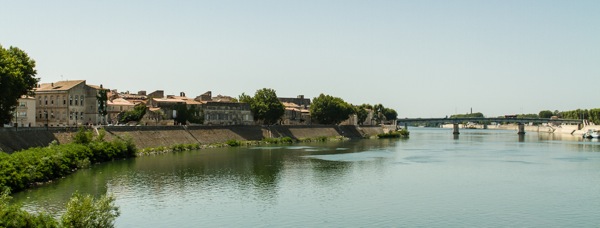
422 58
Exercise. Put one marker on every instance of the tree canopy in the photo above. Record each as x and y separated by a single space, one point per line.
468 115
326 109
265 105
17 78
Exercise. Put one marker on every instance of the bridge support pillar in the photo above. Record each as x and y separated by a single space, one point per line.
485 126
521 128
455 129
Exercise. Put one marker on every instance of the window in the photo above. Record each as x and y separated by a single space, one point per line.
71 115
52 114
70 99
64 100
22 114
76 99
81 100
40 99
46 100
40 112
51 99
81 115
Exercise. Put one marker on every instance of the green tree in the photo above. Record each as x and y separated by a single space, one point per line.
102 98
182 114
468 115
361 114
265 105
85 211
17 78
390 114
134 115
326 109
545 114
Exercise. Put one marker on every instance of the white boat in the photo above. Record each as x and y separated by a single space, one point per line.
591 134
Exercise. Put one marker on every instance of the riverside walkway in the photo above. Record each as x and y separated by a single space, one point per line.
455 121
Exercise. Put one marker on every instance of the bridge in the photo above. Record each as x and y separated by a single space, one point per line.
455 121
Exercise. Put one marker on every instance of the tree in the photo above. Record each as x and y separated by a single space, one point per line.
390 114
265 105
546 114
102 98
133 115
191 114
17 78
86 211
326 109
361 114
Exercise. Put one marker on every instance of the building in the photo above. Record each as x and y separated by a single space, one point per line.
224 110
297 110
24 114
115 107
169 105
67 103
227 113
295 114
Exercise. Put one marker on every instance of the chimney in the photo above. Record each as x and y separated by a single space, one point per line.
101 86
182 94
53 84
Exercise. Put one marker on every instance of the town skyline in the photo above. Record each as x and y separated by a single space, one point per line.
424 59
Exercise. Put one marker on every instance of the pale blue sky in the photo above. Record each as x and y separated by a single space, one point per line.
422 58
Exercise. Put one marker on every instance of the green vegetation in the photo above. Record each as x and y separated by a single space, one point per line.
361 113
282 140
233 143
545 114
191 114
326 109
133 115
37 165
17 78
85 211
81 211
265 106
402 133
468 115
592 115
531 116
102 98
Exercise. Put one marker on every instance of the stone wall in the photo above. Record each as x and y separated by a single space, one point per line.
155 136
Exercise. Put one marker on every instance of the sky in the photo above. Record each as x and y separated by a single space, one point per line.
422 58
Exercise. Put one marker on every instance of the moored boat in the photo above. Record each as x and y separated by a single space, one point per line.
591 134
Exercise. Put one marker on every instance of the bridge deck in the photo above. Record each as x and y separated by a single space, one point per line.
482 120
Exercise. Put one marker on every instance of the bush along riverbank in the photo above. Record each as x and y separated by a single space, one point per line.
33 166
234 143
81 211
402 133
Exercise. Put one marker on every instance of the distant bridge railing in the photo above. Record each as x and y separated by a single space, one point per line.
487 120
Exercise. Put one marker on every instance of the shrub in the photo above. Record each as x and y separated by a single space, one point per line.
14 216
233 143
85 211
403 133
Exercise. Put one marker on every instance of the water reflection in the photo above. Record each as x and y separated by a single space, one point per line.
422 181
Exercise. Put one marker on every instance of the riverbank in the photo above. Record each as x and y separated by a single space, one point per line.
166 136
561 129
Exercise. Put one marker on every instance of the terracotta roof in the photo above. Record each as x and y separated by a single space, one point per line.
58 86
119 101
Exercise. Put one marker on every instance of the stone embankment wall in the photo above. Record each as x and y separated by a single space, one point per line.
155 136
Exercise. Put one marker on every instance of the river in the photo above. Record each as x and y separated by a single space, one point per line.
481 178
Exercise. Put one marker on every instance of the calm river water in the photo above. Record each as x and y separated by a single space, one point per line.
483 178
